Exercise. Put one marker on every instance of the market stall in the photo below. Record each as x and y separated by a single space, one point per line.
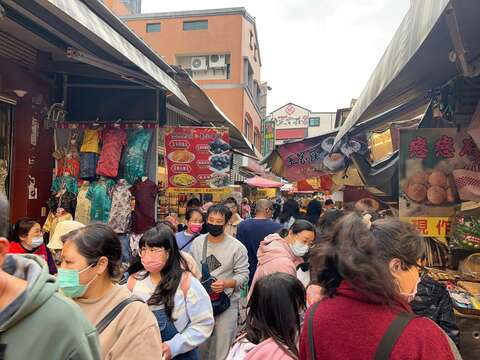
433 158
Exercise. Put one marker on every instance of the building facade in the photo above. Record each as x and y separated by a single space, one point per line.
220 50
124 7
292 122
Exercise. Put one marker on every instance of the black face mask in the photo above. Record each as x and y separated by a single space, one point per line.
215 230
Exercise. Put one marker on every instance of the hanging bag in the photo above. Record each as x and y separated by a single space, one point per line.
220 302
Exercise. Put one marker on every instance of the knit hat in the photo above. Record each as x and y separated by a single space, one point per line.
61 229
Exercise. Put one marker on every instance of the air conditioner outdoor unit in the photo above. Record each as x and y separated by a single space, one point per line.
217 61
199 63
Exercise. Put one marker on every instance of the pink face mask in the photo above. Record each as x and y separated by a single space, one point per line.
196 228
154 263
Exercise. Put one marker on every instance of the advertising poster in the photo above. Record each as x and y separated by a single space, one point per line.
432 167
314 157
197 159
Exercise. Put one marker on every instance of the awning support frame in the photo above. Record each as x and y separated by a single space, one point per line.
459 54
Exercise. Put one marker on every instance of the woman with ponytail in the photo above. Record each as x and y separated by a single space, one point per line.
369 273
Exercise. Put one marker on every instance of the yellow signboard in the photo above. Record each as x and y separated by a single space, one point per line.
430 226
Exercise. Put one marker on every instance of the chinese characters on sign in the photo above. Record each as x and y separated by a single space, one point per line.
197 159
431 226
418 148
291 117
429 165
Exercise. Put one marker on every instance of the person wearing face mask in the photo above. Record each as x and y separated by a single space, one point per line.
177 299
224 263
277 254
27 238
369 272
195 221
36 322
91 260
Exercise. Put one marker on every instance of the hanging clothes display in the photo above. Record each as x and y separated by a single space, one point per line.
91 141
89 154
121 207
70 165
101 202
113 141
88 166
84 205
65 183
145 193
138 144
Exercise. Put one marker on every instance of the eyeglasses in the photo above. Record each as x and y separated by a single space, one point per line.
152 250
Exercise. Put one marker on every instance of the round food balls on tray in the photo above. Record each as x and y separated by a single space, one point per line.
417 192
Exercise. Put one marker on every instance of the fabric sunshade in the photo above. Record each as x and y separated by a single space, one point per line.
416 60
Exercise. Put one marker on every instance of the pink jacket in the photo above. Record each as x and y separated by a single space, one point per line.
268 349
275 255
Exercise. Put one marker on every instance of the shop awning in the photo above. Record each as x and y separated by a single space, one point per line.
96 39
417 59
260 182
208 113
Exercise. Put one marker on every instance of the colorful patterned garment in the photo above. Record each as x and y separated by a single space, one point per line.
88 166
120 212
138 143
84 205
70 164
67 183
113 141
145 193
91 140
101 202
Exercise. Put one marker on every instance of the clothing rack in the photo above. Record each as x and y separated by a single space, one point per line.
121 125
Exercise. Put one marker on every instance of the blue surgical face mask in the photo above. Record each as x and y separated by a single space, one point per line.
37 241
299 248
69 282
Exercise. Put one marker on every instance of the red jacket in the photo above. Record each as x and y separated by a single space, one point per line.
348 326
16 248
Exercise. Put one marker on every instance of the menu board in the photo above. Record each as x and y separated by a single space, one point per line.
198 159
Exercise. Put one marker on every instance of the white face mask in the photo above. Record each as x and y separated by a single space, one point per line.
299 249
411 296
37 241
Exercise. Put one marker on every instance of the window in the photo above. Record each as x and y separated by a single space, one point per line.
256 139
155 27
314 121
248 75
251 39
195 25
247 129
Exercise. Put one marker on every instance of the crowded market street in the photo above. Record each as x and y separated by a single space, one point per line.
154 204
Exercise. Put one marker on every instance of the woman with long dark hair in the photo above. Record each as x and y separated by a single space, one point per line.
177 299
273 320
290 213
369 273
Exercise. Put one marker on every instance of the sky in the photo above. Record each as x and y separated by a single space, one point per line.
318 54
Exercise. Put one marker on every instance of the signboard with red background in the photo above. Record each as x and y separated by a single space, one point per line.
197 159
